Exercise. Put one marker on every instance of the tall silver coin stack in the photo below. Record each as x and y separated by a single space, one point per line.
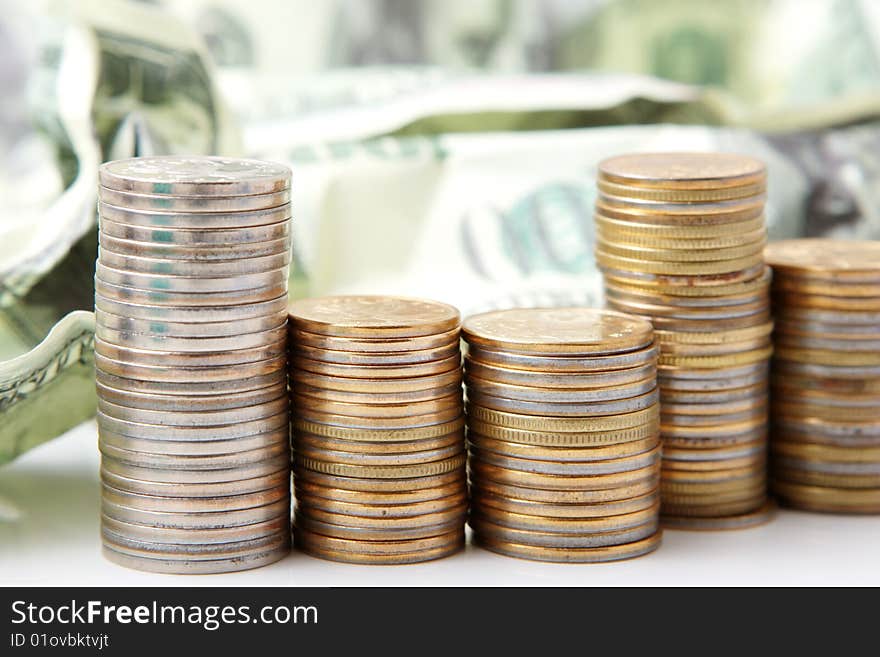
191 310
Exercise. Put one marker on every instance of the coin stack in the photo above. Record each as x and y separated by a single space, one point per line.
825 434
563 434
190 342
679 239
378 431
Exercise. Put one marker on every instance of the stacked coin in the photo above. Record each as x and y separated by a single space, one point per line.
563 434
378 438
191 310
679 239
825 434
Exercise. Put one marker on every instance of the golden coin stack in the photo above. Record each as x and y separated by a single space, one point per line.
378 430
190 355
825 433
680 239
563 434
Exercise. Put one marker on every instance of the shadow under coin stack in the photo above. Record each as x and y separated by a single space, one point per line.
191 309
825 433
378 431
563 434
680 239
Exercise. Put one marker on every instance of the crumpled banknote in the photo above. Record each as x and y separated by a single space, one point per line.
465 178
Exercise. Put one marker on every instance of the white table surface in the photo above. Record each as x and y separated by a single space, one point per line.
49 535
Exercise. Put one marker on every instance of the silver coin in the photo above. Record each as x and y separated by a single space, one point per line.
195 237
190 314
195 418
870 401
558 364
831 344
163 327
232 386
194 175
832 317
184 567
159 218
377 358
744 432
686 302
566 395
280 477
737 452
537 379
231 266
156 358
173 536
673 397
564 510
374 386
827 467
384 372
199 254
192 552
375 534
171 403
827 371
195 520
192 463
369 345
796 434
228 476
193 300
691 314
235 429
193 504
169 283
481 525
566 525
194 448
721 373
133 340
563 409
672 419
180 374
195 204
855 331
568 468
673 384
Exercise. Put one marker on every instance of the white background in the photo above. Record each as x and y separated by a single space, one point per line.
49 535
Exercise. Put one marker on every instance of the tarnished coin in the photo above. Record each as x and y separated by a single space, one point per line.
195 448
420 457
196 520
569 468
373 316
193 463
457 487
691 281
555 331
383 447
481 471
327 545
325 508
198 254
376 534
366 557
368 485
826 499
193 504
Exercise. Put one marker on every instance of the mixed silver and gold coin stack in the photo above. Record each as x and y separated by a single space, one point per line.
191 309
563 434
680 239
825 433
378 431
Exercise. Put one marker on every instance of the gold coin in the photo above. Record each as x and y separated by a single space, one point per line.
630 276
819 453
805 409
712 362
361 558
562 498
367 316
315 505
719 288
715 453
377 398
571 555
825 479
367 410
669 303
376 386
377 447
734 336
753 402
562 380
658 254
673 350
719 475
683 170
431 368
640 225
386 522
616 190
398 533
760 516
792 384
743 427
856 261
538 423
609 230
579 454
371 345
589 525
383 549
378 435
481 470
700 325
359 484
573 440
621 263
673 488
753 492
563 364
798 284
826 302
832 500
821 397
486 500
671 312
681 214
790 341
714 510
554 331
828 356
373 459
382 472
675 465
384 424
367 497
